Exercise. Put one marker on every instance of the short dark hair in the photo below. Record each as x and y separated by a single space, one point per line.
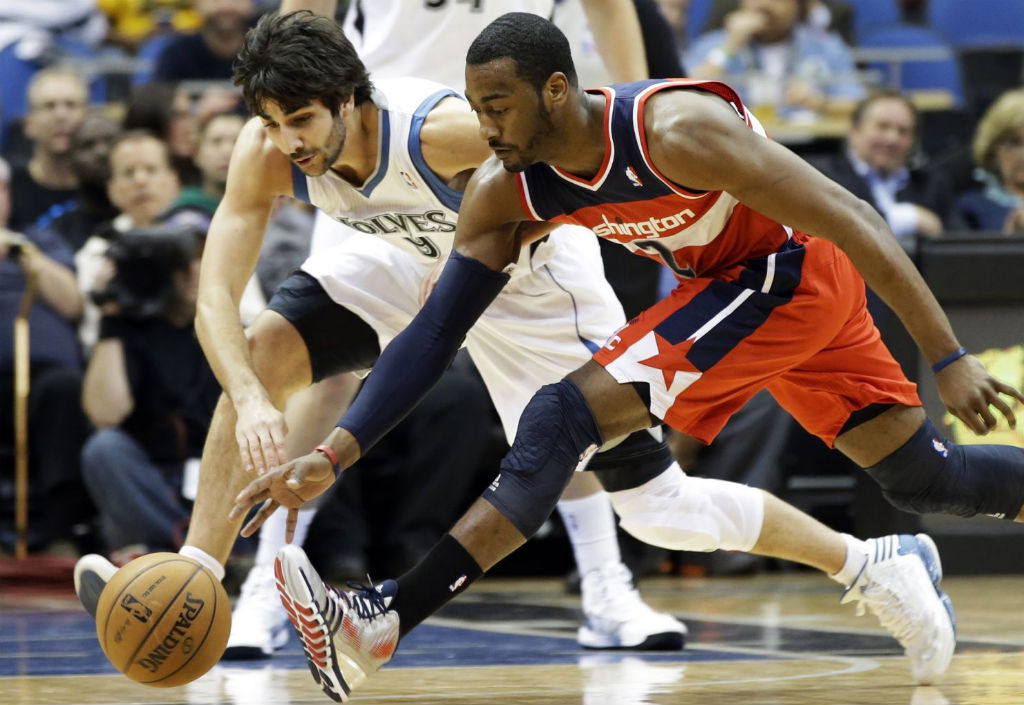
297 58
139 135
886 94
537 47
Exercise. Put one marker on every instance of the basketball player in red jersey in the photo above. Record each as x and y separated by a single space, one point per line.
769 256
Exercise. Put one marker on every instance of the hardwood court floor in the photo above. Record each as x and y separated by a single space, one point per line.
775 640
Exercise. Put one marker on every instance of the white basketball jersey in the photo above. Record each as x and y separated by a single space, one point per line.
402 202
427 38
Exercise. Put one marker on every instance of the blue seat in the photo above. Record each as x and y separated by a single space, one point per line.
874 14
978 23
147 55
937 70
697 15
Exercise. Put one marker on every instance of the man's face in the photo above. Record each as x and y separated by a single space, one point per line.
513 118
142 182
90 149
311 136
885 135
215 145
780 17
225 15
56 108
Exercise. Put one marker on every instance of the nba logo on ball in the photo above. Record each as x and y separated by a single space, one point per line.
163 620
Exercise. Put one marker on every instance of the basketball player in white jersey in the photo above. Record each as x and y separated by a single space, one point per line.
388 169
400 38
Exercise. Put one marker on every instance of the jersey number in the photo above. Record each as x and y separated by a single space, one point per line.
424 245
665 254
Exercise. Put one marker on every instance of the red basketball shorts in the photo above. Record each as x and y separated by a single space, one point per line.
794 322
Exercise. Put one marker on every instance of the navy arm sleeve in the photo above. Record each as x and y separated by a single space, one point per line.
413 362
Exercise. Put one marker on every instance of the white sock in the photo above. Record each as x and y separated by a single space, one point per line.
590 523
856 557
198 554
272 534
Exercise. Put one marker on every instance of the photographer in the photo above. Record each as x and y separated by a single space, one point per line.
56 425
149 391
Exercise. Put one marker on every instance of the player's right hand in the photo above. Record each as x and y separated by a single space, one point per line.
260 432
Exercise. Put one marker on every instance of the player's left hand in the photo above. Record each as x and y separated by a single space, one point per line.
968 391
290 485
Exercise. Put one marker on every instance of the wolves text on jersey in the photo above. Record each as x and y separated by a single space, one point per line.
433 221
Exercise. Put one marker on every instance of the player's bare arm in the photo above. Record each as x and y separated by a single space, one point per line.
699 141
257 174
491 231
451 142
616 30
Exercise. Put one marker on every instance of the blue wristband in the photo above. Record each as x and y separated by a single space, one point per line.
949 360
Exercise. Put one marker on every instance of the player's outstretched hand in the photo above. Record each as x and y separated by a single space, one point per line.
968 391
260 432
289 485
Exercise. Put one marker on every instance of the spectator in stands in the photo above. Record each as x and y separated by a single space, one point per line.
90 161
56 106
208 54
142 186
165 110
57 428
822 15
217 135
134 21
150 393
877 166
998 152
778 64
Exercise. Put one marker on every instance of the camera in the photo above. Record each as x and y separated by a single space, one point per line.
145 260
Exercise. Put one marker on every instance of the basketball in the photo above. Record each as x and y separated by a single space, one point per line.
163 620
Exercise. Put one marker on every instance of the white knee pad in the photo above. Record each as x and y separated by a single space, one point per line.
683 513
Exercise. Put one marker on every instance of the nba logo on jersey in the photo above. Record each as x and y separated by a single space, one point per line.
633 178
408 180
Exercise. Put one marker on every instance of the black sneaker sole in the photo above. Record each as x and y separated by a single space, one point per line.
666 641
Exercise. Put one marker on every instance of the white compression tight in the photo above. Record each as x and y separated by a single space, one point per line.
683 513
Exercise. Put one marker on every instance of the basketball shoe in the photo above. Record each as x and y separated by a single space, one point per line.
346 635
900 585
92 573
615 617
259 625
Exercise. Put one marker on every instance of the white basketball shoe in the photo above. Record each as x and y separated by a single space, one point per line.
259 624
346 635
616 617
92 573
900 585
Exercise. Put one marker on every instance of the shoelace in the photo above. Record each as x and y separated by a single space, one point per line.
897 621
366 600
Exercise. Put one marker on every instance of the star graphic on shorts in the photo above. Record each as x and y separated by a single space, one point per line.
667 360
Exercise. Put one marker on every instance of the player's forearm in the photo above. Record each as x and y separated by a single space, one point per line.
226 348
891 274
620 42
414 361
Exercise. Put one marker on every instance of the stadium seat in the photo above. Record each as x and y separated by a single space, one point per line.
975 23
697 18
874 14
937 71
148 53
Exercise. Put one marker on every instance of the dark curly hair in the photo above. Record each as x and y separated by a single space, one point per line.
537 47
297 58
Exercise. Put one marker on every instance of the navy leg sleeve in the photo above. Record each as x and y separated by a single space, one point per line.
556 431
931 474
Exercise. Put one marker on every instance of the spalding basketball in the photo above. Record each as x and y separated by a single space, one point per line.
163 620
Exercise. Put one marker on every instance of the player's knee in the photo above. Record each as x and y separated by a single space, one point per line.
683 513
931 474
556 430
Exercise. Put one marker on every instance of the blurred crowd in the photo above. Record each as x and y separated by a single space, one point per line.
117 121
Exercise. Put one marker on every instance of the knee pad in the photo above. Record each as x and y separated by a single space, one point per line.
557 432
683 513
640 457
931 474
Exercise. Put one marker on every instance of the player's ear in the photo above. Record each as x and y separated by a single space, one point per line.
556 90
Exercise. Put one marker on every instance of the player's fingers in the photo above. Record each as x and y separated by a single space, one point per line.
297 476
277 447
1008 390
257 491
1004 409
262 514
970 419
289 527
245 450
987 417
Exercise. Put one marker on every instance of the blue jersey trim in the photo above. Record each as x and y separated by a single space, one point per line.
450 197
385 153
588 344
299 185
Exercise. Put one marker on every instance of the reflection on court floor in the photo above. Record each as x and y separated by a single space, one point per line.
778 640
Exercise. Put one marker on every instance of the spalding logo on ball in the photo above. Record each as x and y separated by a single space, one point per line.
163 620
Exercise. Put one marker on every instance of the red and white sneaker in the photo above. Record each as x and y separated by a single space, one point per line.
346 635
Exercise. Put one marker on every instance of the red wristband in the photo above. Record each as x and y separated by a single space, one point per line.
332 456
